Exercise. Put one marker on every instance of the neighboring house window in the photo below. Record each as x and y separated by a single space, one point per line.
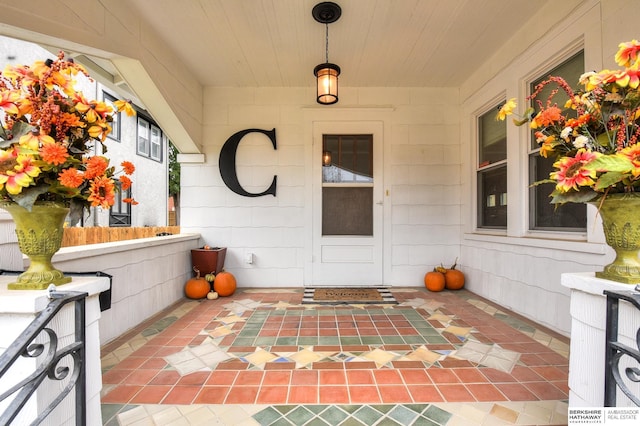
149 140
492 171
120 213
115 124
542 214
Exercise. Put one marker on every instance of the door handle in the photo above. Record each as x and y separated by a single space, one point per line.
379 203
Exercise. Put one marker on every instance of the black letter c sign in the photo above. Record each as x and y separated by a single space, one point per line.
227 163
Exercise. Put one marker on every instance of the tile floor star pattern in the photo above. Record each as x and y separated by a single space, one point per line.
260 357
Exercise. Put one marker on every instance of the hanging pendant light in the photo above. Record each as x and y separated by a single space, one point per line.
327 73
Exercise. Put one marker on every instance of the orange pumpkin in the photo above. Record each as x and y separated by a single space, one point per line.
454 279
224 284
197 287
434 281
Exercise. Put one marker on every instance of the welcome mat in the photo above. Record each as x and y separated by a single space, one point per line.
347 296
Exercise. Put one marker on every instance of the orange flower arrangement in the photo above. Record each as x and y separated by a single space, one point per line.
49 133
594 140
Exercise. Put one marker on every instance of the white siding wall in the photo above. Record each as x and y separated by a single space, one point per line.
421 175
520 269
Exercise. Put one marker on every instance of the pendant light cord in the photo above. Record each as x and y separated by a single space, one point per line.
327 43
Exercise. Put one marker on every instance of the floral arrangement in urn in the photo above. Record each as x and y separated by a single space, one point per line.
49 135
593 137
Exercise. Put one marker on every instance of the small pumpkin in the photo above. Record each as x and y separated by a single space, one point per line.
212 295
224 284
434 280
454 279
197 287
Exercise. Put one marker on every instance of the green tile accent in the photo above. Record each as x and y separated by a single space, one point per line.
423 421
371 340
316 408
402 415
244 341
267 416
286 341
368 415
281 422
307 340
414 339
351 340
349 408
262 341
392 340
433 340
284 409
352 422
333 415
383 408
390 422
418 408
437 414
317 422
300 415
328 340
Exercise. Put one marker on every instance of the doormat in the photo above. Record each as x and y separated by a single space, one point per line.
347 296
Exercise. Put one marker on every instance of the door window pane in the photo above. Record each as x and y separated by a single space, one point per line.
347 193
350 158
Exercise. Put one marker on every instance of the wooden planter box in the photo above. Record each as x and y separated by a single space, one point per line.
208 260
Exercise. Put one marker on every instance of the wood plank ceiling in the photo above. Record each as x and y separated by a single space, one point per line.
377 43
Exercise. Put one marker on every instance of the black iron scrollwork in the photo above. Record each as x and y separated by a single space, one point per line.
616 351
50 365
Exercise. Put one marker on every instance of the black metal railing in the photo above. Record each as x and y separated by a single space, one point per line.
615 351
49 357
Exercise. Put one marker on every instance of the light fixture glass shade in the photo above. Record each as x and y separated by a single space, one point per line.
326 158
327 83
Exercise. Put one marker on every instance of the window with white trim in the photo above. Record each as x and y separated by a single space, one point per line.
491 171
115 124
544 216
150 140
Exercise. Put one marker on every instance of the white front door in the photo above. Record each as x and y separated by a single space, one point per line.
347 203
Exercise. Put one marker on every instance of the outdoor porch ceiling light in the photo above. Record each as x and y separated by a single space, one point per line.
327 73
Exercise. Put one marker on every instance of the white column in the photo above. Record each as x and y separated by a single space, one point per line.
588 339
18 308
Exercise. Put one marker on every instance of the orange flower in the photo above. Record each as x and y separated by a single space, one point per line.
633 153
125 183
627 53
130 201
95 166
570 173
547 117
54 154
102 192
70 177
128 167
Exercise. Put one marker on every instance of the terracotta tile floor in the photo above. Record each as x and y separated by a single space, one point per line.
260 357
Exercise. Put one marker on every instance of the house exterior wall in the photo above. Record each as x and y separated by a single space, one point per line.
518 268
421 162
